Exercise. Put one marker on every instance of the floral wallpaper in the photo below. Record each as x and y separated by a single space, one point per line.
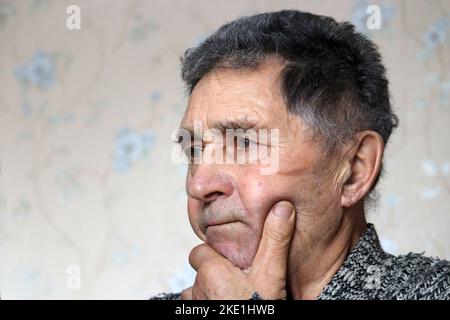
91 206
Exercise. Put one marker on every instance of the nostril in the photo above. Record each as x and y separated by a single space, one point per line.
213 196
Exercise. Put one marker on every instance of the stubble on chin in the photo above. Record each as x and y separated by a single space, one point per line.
240 250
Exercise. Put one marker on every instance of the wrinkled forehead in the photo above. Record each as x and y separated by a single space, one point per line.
248 97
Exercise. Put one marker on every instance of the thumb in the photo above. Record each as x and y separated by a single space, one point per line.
271 258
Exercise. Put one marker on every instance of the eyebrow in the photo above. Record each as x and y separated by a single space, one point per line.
223 125
234 124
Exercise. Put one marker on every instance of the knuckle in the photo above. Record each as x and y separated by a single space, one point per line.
192 256
195 252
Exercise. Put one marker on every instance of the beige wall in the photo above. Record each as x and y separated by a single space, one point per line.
70 194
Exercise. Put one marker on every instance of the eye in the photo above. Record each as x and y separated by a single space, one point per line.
244 142
193 152
196 151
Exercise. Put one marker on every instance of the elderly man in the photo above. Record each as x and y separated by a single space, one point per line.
299 232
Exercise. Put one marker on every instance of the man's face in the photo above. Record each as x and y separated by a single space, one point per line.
228 203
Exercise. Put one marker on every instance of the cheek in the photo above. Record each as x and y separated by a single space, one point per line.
253 196
260 193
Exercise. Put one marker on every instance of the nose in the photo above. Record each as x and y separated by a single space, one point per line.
207 183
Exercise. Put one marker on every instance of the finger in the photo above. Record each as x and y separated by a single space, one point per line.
201 254
186 294
271 257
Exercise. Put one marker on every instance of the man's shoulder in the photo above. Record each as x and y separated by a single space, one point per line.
167 296
371 273
419 277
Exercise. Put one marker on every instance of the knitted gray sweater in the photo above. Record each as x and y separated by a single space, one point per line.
370 273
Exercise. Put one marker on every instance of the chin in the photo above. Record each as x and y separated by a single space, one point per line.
239 249
240 257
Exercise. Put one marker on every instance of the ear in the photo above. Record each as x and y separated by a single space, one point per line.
365 165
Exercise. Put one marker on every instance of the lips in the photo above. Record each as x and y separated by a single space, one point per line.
219 224
216 224
217 217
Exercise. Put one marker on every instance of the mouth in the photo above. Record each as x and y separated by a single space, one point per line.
220 224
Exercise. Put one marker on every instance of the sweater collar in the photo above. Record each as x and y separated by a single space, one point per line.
363 269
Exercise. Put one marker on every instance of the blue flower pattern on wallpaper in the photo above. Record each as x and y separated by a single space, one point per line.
57 177
39 71
130 146
437 33
435 36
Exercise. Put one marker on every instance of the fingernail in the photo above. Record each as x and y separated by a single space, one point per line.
283 210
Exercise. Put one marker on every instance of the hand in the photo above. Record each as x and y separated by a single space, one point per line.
218 278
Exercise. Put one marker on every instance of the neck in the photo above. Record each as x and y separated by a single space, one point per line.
307 278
